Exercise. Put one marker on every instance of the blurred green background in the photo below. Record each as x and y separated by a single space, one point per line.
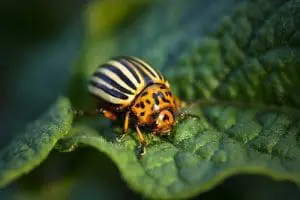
41 44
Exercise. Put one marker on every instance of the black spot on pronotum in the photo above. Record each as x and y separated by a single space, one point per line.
137 105
155 98
156 95
142 114
144 94
142 105
160 94
165 100
148 101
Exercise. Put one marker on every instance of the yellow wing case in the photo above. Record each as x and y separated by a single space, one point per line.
121 79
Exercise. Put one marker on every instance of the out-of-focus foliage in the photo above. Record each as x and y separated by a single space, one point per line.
33 146
40 42
236 61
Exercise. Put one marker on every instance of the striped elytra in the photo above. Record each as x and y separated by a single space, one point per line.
129 87
121 79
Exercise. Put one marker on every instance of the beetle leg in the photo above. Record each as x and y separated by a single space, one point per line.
126 122
109 115
125 126
142 140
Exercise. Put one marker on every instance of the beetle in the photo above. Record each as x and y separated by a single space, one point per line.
128 86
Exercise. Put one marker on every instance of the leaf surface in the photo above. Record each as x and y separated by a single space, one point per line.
237 65
28 150
241 77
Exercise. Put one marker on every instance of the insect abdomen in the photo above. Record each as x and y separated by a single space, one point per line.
121 79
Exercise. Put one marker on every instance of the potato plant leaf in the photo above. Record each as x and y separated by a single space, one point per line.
241 77
201 153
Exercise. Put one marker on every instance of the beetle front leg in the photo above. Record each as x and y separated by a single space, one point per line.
142 150
125 126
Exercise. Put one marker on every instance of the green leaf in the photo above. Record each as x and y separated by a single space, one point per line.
241 77
202 153
248 59
29 149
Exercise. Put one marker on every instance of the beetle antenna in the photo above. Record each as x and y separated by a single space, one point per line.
185 115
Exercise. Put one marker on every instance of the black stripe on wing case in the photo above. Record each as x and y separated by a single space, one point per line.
111 82
146 77
159 74
119 73
109 91
124 62
141 64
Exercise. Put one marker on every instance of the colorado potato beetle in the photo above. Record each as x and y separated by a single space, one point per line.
128 86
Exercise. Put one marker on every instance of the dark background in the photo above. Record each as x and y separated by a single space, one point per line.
40 38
